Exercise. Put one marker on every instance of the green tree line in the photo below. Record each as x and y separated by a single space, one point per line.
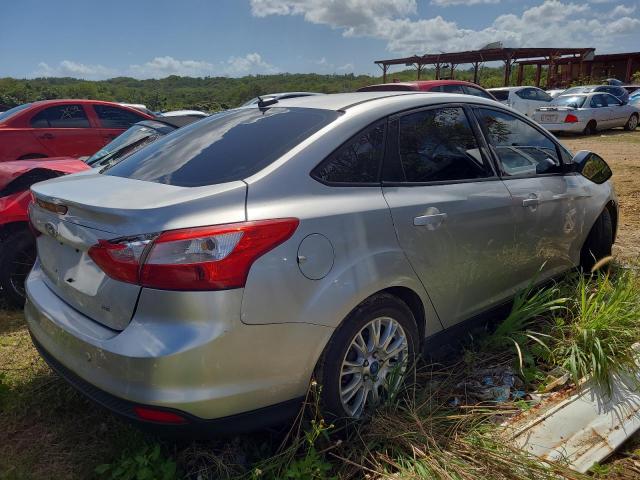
212 93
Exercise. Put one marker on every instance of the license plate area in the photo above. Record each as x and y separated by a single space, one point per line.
549 118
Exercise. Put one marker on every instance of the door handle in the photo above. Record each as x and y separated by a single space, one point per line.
432 221
531 202
47 136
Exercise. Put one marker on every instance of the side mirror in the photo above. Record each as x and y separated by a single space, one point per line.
591 166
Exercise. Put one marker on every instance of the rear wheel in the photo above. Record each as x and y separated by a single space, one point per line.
17 259
367 357
598 243
591 128
632 123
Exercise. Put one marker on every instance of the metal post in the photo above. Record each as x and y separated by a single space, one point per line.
538 72
419 68
475 72
453 66
520 74
627 76
438 71
507 72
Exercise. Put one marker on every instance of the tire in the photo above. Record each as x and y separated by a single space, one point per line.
632 123
598 243
591 128
371 383
18 256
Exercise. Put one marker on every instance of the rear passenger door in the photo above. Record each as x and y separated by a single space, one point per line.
547 203
451 211
600 110
113 121
65 130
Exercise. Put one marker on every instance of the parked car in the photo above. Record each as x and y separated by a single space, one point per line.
17 245
631 89
555 92
617 91
446 86
57 128
587 114
184 113
634 100
279 96
522 99
327 234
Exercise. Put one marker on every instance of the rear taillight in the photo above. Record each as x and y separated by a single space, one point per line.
570 118
204 258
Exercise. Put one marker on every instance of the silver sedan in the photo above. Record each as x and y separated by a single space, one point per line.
205 279
587 113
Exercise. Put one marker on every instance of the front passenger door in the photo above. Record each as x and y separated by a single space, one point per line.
548 204
450 210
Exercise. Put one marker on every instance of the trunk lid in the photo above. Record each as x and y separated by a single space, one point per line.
101 207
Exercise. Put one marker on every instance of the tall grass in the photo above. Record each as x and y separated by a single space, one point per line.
596 338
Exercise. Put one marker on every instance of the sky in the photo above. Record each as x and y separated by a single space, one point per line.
155 38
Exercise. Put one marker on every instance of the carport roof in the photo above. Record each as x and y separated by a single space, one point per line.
488 55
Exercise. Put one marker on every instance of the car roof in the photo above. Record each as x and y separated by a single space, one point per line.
386 101
508 89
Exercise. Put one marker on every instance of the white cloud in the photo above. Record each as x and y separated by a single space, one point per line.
449 3
251 63
161 67
68 68
347 67
622 10
550 23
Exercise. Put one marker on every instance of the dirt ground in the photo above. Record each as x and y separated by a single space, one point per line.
622 151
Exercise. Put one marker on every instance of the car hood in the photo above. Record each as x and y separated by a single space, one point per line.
12 170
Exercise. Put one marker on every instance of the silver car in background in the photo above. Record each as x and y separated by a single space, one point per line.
587 114
205 279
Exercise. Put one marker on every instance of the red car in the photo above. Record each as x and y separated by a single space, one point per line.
56 128
447 86
17 247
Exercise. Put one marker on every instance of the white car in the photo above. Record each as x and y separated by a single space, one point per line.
523 99
556 92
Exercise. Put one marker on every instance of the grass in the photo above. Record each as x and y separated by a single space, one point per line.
587 325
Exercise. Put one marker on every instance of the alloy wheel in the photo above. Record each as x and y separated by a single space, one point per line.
373 365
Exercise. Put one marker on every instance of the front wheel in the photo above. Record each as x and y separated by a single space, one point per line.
599 242
366 359
632 123
16 260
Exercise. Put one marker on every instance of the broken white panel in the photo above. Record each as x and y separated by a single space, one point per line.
582 426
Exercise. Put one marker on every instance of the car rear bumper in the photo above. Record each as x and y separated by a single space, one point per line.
183 351
576 127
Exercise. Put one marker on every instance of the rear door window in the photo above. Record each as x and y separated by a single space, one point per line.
451 88
357 161
438 145
114 117
521 148
229 146
61 116
598 101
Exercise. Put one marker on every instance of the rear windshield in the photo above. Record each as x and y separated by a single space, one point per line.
575 101
12 111
500 95
225 147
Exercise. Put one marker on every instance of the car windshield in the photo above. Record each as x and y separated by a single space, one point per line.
575 101
12 111
134 138
500 95
223 148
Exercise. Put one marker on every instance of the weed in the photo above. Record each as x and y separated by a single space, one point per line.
148 463
603 323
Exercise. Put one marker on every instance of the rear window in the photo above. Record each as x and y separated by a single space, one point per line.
575 101
501 95
12 111
223 148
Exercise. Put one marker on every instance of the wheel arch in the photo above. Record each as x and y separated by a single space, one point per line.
611 207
